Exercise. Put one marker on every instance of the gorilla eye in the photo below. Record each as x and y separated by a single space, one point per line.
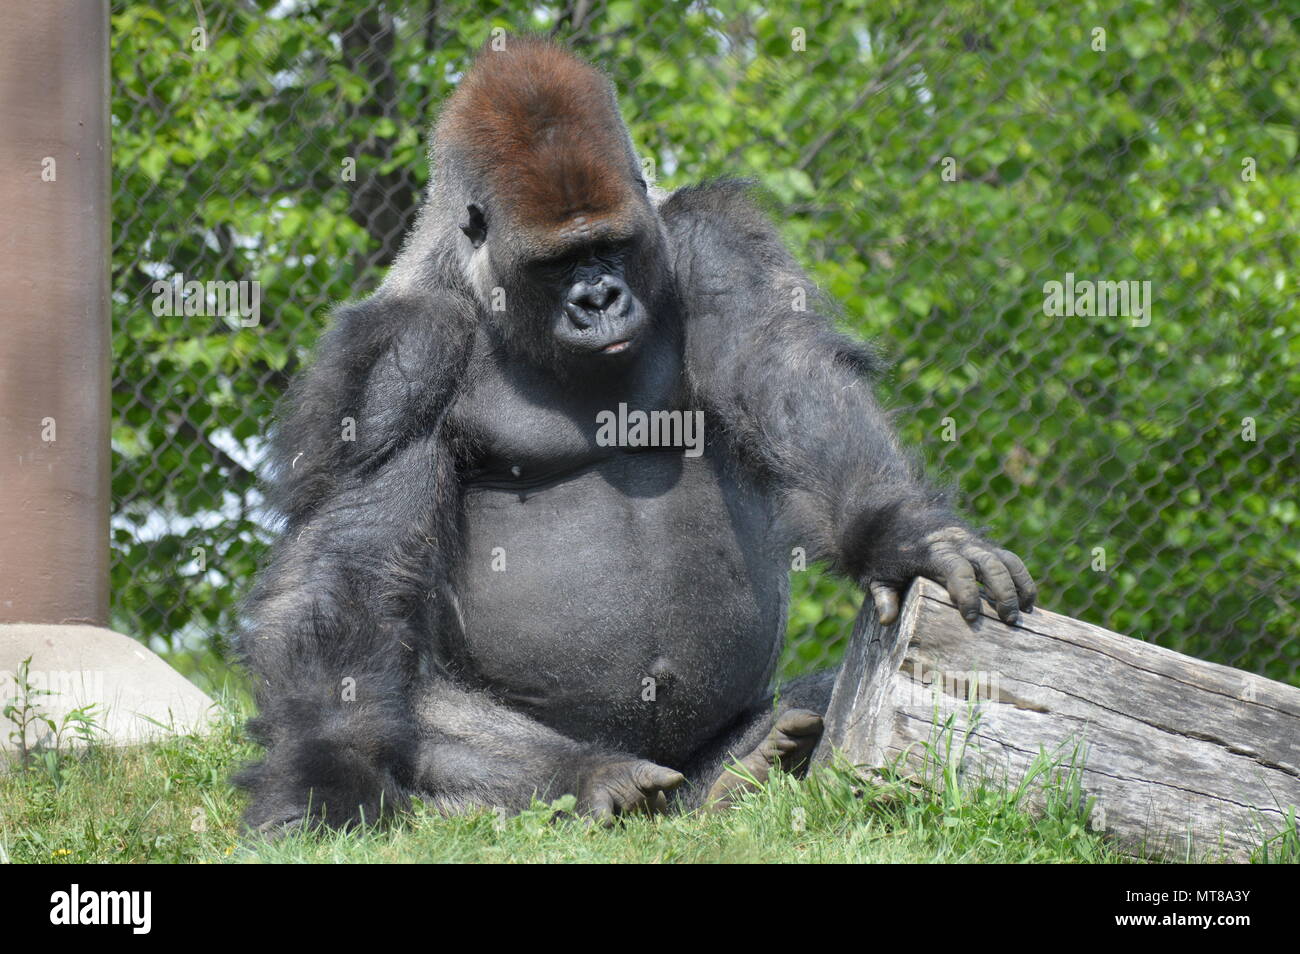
640 180
474 225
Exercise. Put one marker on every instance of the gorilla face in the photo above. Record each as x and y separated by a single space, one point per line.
582 295
595 311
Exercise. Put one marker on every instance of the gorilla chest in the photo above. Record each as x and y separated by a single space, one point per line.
633 596
522 427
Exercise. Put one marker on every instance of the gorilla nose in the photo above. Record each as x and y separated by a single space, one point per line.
588 300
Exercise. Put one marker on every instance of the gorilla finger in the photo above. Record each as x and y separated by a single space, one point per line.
651 777
1025 585
799 722
784 745
602 808
1001 587
886 599
959 577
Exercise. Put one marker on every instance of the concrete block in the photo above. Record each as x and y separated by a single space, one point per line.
138 696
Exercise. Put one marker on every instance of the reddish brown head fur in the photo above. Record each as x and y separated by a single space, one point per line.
541 129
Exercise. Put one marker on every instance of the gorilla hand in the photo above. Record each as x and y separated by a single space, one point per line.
626 788
961 561
331 774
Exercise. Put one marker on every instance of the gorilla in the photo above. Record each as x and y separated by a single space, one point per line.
511 565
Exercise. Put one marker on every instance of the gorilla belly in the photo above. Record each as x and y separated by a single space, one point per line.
639 603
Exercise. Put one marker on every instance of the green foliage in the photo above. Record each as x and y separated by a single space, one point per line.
40 739
168 802
1072 433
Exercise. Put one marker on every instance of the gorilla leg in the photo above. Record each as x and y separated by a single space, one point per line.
476 752
783 731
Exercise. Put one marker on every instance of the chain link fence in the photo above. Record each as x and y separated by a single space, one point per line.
1073 231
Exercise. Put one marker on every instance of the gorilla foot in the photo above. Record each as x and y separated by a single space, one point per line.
794 735
627 788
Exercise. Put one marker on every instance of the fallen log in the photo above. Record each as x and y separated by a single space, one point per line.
1174 756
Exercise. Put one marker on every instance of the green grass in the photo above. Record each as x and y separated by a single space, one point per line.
171 802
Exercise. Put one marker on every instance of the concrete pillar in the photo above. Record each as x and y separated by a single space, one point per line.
54 387
54 315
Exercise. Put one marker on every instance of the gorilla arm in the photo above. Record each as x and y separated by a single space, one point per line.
477 752
794 397
333 632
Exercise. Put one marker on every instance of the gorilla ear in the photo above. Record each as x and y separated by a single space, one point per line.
475 225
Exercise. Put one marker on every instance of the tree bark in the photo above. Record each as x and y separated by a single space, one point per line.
1176 756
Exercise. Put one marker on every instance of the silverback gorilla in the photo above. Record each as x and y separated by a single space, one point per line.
478 596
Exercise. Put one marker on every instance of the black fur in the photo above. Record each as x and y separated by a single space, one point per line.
391 657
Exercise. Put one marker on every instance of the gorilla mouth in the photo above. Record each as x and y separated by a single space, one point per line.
604 336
